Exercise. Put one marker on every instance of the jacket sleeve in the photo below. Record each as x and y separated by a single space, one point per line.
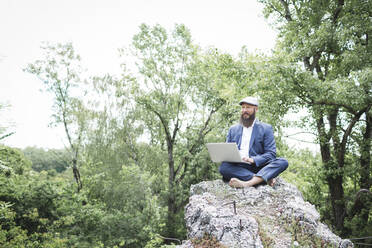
228 137
269 148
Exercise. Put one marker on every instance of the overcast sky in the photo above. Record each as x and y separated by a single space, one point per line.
97 29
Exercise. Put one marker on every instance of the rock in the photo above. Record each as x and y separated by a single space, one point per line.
260 216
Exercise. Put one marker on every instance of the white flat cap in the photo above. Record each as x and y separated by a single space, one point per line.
249 100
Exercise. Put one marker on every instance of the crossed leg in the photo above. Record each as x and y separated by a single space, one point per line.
241 175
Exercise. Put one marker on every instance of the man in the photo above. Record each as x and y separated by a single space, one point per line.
256 145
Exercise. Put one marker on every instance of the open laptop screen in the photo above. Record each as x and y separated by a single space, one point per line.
224 152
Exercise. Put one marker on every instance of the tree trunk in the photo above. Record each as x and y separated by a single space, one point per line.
76 173
365 162
365 157
337 200
333 176
171 202
171 218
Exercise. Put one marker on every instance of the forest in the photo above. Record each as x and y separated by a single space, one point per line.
136 143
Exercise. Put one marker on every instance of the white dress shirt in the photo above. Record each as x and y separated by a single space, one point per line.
246 138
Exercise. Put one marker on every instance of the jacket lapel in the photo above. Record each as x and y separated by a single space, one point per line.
240 134
253 136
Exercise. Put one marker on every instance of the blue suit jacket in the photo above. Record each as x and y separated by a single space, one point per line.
262 146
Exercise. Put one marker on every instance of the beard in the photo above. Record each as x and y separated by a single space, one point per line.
247 122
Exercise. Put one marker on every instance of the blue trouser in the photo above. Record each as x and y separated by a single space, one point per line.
245 172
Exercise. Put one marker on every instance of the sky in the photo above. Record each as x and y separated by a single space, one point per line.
97 29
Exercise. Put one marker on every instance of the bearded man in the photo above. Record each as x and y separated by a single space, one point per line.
256 144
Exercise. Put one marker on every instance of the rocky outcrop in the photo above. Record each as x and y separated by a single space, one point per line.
260 216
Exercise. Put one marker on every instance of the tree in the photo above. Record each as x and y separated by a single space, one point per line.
28 204
175 107
13 161
122 210
51 159
323 63
60 72
113 141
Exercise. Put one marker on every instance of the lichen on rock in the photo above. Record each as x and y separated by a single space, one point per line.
260 216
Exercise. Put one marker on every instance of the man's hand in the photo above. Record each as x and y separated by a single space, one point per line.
249 160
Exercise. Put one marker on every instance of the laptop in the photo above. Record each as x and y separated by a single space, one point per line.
224 152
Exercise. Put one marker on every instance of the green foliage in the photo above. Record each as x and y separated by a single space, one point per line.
38 210
178 99
177 105
11 234
321 65
32 199
60 72
130 211
141 145
306 172
13 161
27 205
47 160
